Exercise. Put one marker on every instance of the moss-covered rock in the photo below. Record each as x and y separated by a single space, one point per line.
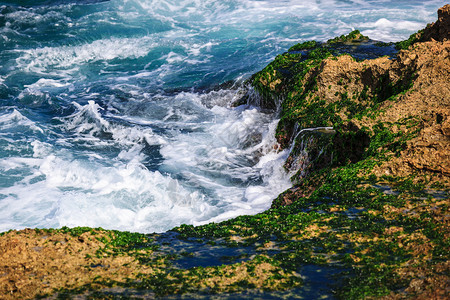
354 36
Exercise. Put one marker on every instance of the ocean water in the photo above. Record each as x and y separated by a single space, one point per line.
114 113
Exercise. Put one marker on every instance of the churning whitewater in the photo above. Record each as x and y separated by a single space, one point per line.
115 113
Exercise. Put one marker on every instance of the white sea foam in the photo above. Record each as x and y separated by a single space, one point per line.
233 159
73 192
383 28
46 60
15 120
89 126
225 168
46 83
29 17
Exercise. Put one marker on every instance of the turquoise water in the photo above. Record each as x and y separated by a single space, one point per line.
112 113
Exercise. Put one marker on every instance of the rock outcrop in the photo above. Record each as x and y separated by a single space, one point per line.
39 262
409 96
440 30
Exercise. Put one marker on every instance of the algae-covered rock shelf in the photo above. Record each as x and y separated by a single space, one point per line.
368 216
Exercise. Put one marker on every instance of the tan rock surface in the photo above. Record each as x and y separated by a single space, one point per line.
440 30
428 100
34 262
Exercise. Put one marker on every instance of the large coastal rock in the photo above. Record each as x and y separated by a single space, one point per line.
440 30
409 96
424 69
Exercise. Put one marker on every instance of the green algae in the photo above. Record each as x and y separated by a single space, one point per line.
260 272
286 72
304 46
115 242
355 35
374 274
413 38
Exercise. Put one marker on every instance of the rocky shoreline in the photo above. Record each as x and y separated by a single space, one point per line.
367 217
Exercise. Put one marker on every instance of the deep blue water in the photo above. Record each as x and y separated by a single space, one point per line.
110 113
